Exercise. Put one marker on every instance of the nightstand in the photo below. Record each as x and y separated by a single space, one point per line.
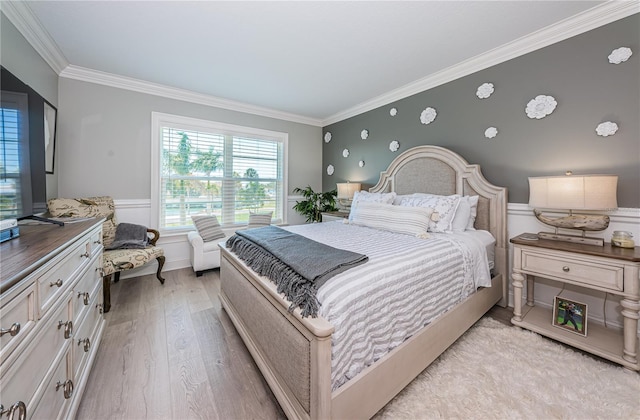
330 216
603 268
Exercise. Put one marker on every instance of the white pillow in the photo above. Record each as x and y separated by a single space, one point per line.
461 218
367 197
444 209
473 202
208 227
412 221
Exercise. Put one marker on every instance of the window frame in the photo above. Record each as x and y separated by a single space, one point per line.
159 120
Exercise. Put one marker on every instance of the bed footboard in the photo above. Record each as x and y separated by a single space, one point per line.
297 363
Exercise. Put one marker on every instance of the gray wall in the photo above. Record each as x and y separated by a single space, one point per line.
589 90
105 139
19 57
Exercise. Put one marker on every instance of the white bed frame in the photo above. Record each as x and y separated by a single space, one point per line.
294 353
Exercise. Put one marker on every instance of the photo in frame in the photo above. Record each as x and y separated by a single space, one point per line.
570 315
50 122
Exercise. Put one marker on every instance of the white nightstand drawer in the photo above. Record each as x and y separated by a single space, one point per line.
600 275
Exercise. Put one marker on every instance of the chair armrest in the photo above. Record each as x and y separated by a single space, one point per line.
156 236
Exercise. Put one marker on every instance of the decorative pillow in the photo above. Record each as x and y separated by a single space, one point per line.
208 227
444 206
408 220
473 202
367 197
466 214
259 220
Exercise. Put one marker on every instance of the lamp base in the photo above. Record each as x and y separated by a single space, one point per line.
585 240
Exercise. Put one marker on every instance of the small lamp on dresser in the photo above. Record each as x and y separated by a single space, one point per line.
574 192
346 190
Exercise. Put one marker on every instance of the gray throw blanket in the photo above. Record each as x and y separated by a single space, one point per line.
296 264
130 236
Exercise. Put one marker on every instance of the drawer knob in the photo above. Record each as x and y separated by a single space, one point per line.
85 297
99 307
98 242
68 328
67 386
57 283
12 331
86 254
20 407
565 269
87 344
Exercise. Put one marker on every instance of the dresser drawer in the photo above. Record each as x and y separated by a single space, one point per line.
85 338
576 270
57 392
95 242
56 281
20 380
18 318
86 289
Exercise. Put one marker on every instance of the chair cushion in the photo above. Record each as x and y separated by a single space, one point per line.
208 227
126 259
259 219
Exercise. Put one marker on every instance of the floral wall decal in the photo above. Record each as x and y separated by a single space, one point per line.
393 112
345 153
606 129
361 163
394 146
484 90
330 170
541 106
491 132
327 137
428 115
620 55
364 134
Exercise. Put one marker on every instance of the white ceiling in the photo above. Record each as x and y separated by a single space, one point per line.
317 60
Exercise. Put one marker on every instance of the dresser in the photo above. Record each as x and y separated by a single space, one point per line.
613 270
51 317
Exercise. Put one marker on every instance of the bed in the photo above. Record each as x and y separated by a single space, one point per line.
294 352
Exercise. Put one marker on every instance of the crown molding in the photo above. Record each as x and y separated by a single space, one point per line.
590 19
136 85
29 26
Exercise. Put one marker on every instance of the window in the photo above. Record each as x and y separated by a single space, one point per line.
203 167
15 179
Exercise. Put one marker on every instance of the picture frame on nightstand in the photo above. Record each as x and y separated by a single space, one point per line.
570 315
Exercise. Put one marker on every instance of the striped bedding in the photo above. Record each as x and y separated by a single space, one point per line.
405 285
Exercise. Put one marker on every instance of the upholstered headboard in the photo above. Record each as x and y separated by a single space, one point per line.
436 170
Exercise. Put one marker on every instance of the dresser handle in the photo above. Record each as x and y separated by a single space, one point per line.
86 254
565 269
68 328
99 306
98 242
12 331
67 386
87 344
57 283
85 299
19 406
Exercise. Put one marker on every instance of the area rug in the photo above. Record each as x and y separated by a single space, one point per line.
499 372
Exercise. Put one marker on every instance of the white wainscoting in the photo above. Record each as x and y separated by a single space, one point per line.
520 220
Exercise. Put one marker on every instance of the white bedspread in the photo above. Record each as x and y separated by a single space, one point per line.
406 284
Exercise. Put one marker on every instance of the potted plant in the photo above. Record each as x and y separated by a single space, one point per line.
315 203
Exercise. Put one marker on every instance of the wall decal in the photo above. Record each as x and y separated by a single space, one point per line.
541 106
491 132
345 153
484 90
607 129
393 112
364 134
428 115
394 146
620 55
361 163
330 170
327 137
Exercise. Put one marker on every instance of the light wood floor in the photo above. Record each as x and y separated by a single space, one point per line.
171 352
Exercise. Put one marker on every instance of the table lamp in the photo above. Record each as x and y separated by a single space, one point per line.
574 192
346 190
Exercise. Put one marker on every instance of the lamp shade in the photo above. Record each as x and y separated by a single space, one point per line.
346 190
574 192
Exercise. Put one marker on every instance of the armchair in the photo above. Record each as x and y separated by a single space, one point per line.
116 260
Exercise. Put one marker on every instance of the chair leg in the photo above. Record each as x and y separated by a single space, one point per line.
106 293
160 265
116 277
